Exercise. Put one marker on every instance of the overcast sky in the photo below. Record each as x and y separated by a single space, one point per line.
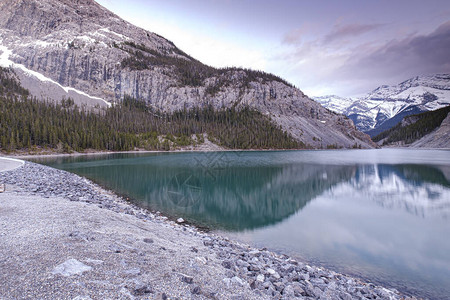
345 47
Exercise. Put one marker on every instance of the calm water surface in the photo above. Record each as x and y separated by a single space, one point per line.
382 215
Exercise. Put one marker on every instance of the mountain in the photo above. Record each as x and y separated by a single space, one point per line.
430 129
386 106
78 49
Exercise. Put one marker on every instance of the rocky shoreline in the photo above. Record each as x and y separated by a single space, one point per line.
223 269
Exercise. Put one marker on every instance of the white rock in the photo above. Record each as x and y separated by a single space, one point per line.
93 261
227 281
133 271
271 271
180 220
203 260
260 278
237 280
71 267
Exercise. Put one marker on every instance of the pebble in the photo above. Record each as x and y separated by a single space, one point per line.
271 271
226 264
187 279
237 280
196 290
161 296
142 289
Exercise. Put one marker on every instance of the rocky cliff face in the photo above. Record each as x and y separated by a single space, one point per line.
62 48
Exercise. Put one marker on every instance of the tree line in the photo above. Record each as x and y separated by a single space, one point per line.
28 123
425 124
190 72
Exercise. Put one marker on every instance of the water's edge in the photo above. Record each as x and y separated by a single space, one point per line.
48 182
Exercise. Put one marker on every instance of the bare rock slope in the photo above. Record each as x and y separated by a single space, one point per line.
79 49
439 138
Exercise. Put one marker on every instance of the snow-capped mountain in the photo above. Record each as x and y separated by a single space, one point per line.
385 106
335 103
79 49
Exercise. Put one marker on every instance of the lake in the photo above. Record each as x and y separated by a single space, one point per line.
381 215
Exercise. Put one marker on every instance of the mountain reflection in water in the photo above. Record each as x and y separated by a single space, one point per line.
232 198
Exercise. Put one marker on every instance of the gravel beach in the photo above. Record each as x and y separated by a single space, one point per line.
64 237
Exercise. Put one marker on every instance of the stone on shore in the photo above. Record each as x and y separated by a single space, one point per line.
71 267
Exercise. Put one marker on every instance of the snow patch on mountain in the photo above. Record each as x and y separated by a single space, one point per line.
5 62
335 103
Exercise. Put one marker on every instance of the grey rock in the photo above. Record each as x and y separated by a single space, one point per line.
298 290
161 296
187 279
289 292
229 274
346 296
227 264
303 276
71 267
237 280
310 291
208 243
142 289
267 284
133 271
196 290
279 286
271 291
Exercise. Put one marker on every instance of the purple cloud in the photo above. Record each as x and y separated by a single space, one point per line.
349 30
416 55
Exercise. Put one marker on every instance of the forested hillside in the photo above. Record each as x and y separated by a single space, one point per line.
62 49
26 123
413 127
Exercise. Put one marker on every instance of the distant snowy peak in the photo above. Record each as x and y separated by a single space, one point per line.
438 81
418 84
385 106
335 103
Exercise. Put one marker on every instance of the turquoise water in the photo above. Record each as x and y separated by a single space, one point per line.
382 215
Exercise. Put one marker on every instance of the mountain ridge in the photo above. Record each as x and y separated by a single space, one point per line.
386 105
82 48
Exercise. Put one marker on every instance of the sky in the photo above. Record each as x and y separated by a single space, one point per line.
341 47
